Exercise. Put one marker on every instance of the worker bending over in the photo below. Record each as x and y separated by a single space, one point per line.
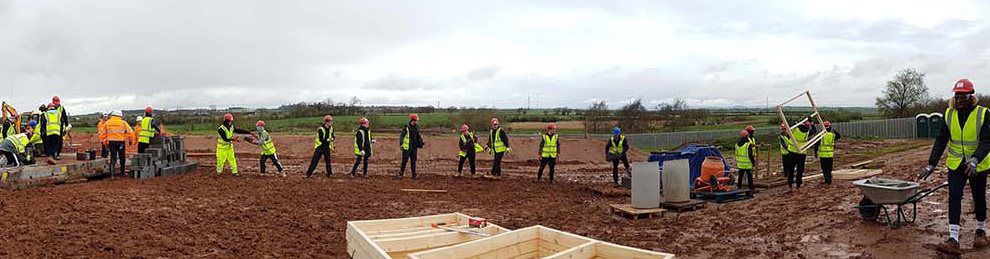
13 148
549 149
966 132
225 144
362 146
267 146
119 133
498 146
825 150
615 151
469 148
323 146
149 129
410 142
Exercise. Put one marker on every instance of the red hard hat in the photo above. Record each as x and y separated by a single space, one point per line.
750 128
327 118
260 124
148 109
551 126
56 100
228 117
827 124
413 116
743 134
963 86
494 121
363 121
51 105
464 128
783 126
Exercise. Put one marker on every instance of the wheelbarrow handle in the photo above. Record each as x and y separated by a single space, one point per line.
924 193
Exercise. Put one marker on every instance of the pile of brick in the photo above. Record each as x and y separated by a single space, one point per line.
166 156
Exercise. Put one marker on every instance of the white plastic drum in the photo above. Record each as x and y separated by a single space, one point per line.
645 185
676 185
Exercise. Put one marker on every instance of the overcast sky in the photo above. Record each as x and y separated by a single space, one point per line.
125 54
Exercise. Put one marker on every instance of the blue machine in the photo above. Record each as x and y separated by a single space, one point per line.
695 154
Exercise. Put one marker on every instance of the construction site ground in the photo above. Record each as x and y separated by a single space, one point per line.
203 215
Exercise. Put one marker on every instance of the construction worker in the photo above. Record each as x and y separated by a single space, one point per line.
64 127
744 159
225 144
101 130
615 151
752 135
362 145
795 155
149 129
12 147
267 146
825 150
549 150
786 158
119 133
8 129
469 148
967 135
51 131
410 142
323 146
498 145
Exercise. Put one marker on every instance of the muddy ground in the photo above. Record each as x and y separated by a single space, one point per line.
202 215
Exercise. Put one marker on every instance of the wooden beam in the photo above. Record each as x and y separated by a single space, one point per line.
424 190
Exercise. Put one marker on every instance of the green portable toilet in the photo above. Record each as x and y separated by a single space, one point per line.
935 122
922 126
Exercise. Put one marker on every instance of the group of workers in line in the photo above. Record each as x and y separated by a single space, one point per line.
410 141
792 157
115 135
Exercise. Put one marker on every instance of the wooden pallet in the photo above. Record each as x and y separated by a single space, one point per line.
781 180
628 211
855 174
723 197
684 206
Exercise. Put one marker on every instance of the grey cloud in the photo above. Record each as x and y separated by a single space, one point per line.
483 73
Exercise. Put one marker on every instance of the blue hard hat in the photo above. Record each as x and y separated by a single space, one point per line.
33 123
616 131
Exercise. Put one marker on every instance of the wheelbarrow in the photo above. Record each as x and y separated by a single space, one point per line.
878 193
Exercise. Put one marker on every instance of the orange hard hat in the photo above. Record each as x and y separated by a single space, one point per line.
494 121
827 124
148 109
783 126
963 86
413 116
327 118
228 117
363 121
743 134
464 128
551 126
750 128
260 124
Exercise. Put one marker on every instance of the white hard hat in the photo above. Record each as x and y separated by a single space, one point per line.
139 118
117 113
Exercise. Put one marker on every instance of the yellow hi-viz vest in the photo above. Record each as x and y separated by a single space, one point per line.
549 146
963 141
742 156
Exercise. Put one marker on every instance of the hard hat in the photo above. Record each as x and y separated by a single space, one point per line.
260 124
33 123
56 100
117 113
228 117
51 105
827 124
140 118
363 121
464 128
783 126
616 131
494 121
551 126
148 109
327 118
413 116
750 128
807 122
963 86
743 134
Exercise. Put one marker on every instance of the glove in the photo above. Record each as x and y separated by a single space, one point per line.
971 164
372 141
508 150
926 172
362 152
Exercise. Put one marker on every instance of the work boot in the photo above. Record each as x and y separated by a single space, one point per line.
950 246
981 240
283 173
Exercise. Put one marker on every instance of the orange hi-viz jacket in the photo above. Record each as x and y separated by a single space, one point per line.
118 130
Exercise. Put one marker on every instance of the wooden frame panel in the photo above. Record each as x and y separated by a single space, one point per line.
814 139
389 238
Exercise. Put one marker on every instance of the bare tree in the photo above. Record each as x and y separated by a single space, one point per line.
634 118
596 118
904 94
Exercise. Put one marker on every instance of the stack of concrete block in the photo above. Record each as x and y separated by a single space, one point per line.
167 156
143 166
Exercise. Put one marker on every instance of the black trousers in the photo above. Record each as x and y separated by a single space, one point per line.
53 144
497 164
615 167
13 159
142 147
117 154
470 157
786 161
274 158
410 157
357 161
544 161
745 173
826 163
799 169
977 187
319 152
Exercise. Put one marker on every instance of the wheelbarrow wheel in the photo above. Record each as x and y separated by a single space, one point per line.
868 210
